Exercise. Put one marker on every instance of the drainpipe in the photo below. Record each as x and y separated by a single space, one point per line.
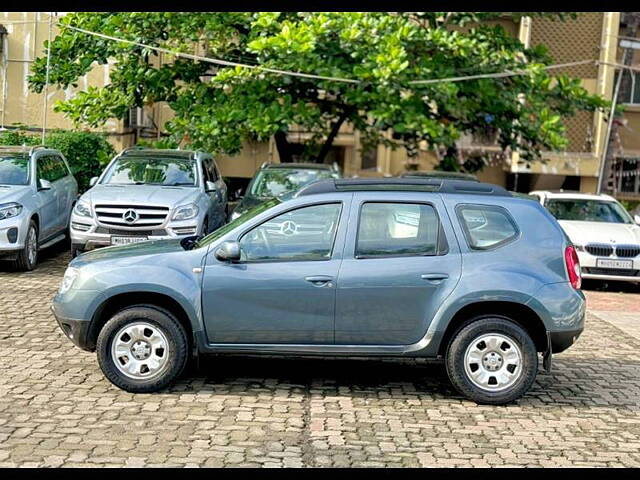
46 84
3 55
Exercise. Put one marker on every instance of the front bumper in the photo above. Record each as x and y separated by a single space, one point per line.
86 234
591 271
74 311
13 233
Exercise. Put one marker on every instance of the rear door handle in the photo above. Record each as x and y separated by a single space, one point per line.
434 277
320 280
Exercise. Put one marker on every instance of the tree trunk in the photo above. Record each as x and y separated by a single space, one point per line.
335 128
633 24
284 147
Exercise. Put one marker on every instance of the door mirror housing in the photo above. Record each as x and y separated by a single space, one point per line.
210 186
44 184
228 252
636 218
93 181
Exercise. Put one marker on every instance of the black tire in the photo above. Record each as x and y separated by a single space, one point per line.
75 251
177 349
23 261
462 339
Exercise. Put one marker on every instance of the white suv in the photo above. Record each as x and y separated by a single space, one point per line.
606 237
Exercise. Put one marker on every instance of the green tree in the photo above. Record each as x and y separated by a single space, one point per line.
217 107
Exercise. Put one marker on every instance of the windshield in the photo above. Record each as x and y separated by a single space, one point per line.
152 171
248 215
277 181
14 169
588 211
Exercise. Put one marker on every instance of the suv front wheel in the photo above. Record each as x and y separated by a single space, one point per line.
142 349
492 360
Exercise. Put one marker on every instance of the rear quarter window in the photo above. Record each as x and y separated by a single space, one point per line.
487 226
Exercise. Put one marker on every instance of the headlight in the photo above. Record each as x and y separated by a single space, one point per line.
83 209
186 212
70 276
8 210
235 215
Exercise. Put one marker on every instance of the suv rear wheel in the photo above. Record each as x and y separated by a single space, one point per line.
492 360
142 349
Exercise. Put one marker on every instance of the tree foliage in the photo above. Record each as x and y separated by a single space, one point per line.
218 107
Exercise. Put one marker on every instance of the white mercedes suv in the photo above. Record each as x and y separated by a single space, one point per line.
606 237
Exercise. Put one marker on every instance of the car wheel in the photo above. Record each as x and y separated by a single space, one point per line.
28 256
142 349
492 360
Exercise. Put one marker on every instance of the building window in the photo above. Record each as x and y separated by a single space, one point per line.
632 96
370 159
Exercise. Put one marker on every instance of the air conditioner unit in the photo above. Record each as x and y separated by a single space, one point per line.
139 118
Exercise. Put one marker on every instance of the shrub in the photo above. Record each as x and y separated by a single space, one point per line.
86 152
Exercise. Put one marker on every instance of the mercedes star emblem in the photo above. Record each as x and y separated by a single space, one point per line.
288 228
130 216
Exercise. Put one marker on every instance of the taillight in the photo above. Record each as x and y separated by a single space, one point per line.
573 266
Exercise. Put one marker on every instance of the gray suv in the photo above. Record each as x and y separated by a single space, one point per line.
456 270
150 194
37 193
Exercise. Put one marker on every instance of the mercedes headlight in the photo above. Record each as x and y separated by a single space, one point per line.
186 212
8 210
69 278
83 209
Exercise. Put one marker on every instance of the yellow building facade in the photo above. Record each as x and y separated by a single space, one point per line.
593 36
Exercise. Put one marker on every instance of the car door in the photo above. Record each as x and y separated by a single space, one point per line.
401 261
217 212
47 198
66 190
282 291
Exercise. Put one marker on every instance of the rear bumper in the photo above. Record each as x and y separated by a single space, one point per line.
560 341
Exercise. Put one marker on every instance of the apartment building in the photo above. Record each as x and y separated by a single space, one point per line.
593 36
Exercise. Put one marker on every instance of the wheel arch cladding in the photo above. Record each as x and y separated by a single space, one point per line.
118 302
519 313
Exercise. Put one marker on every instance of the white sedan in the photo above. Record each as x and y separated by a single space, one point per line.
606 237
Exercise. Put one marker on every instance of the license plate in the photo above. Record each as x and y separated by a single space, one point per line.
127 240
609 263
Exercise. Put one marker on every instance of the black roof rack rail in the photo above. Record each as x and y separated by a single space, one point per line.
404 184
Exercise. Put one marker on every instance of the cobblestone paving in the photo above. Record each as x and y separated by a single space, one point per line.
56 409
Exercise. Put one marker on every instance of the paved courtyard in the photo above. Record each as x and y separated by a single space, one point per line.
56 409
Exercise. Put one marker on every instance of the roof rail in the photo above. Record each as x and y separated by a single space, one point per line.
264 164
404 184
135 147
36 147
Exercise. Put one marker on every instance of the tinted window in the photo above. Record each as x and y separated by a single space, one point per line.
392 229
272 182
486 226
14 169
153 171
303 234
51 168
588 211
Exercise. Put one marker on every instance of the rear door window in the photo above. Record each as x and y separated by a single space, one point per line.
397 229
487 226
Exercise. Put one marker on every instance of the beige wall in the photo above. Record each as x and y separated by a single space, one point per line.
27 32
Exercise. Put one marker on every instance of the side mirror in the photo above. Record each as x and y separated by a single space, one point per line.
44 184
93 181
228 252
210 186
637 219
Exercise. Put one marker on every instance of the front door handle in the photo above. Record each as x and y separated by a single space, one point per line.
320 280
434 277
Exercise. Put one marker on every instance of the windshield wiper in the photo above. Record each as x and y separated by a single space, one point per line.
178 184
